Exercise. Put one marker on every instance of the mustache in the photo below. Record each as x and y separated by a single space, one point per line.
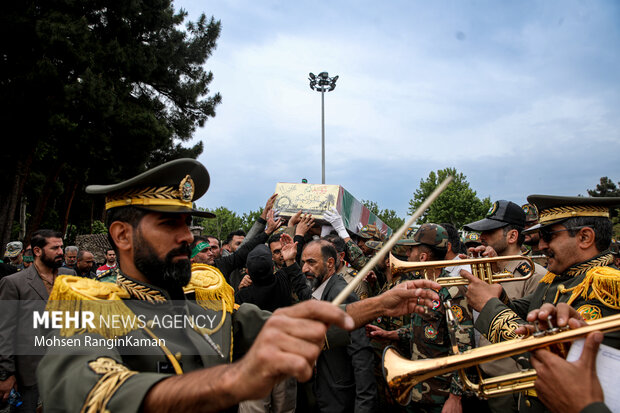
548 253
182 250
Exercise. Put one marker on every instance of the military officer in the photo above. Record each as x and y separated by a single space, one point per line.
152 366
575 233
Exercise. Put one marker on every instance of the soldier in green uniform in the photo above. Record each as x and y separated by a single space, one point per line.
427 334
152 367
575 233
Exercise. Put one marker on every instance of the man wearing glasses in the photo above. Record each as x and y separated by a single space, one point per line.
575 235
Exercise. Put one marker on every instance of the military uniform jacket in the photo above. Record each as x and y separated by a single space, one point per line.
514 290
348 274
116 377
591 287
582 286
429 338
393 323
358 260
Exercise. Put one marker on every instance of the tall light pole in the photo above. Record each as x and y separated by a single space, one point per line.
322 83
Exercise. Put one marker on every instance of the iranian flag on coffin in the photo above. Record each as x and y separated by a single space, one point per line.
316 199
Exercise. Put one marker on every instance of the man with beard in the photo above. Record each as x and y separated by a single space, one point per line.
502 235
344 379
84 264
193 366
575 233
33 286
71 254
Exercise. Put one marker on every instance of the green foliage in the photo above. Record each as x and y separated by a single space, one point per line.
98 227
225 222
250 218
94 93
607 188
388 216
458 204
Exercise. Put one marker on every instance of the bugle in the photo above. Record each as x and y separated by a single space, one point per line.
480 268
403 374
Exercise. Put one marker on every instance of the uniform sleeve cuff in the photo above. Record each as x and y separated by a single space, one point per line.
597 407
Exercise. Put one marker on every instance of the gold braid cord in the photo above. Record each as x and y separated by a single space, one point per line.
165 192
503 326
139 291
602 261
573 211
114 375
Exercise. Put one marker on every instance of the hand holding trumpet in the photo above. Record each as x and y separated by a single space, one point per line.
553 389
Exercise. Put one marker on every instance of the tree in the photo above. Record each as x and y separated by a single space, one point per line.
95 92
607 188
225 222
458 204
388 216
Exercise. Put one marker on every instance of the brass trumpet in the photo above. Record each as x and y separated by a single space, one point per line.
480 267
403 374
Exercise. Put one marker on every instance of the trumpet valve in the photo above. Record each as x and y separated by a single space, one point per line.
552 329
538 332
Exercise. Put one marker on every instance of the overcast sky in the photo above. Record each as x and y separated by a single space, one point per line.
521 96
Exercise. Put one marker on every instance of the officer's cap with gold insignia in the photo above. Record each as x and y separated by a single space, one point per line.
171 187
557 209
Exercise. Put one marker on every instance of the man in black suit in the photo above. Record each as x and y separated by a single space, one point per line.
344 380
27 290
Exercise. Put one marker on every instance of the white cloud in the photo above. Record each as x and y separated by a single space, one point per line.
527 91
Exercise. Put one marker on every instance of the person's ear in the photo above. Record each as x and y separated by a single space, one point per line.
512 236
331 263
122 235
586 237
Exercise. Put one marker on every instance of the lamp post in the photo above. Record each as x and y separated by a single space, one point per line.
322 83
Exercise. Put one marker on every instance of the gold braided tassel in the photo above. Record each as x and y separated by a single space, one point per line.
211 288
77 294
603 284
548 278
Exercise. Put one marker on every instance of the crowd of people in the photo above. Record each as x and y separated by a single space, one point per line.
281 345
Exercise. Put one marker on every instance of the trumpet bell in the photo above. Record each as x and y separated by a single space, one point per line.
402 374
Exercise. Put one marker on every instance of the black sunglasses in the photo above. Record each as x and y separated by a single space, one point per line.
547 235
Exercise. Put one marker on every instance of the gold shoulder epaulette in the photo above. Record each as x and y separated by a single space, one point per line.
600 283
78 294
211 288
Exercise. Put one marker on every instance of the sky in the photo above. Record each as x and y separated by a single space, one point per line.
523 97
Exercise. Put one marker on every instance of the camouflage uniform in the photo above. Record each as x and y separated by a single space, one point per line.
349 274
428 333
428 337
378 345
358 260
